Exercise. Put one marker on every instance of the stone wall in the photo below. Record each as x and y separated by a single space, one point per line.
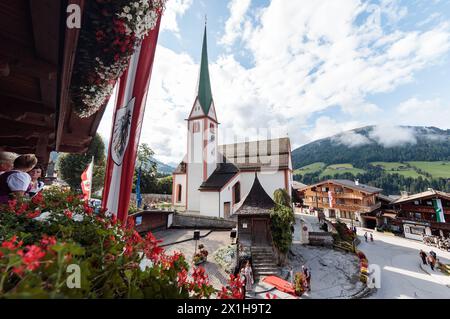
320 239
148 198
181 220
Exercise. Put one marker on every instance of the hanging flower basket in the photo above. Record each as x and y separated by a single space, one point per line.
111 32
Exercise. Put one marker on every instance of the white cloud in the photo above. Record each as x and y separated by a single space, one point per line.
234 24
174 9
390 136
352 139
414 111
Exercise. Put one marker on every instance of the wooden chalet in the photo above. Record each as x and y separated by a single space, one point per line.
349 201
37 54
417 214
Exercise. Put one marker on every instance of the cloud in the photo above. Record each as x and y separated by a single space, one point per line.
414 111
174 9
391 136
234 24
352 139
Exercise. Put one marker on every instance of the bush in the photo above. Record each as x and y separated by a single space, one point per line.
41 238
282 219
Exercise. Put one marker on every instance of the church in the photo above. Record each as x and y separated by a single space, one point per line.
214 180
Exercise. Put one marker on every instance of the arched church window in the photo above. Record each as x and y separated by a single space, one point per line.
179 189
237 193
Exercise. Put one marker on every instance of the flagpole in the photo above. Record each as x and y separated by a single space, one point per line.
90 176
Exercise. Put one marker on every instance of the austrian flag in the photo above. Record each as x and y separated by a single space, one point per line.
86 180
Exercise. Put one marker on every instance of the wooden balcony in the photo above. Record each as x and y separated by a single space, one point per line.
347 207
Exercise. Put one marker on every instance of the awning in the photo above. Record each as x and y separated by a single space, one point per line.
390 215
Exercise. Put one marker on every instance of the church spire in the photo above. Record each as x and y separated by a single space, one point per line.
204 85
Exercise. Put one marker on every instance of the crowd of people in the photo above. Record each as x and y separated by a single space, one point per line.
19 176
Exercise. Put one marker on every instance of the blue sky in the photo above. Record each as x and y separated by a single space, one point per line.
305 69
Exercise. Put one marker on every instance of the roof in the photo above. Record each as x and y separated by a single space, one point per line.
220 177
298 185
255 155
428 193
385 198
258 155
257 202
181 168
204 83
350 184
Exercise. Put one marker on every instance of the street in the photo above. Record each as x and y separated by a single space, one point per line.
401 275
399 261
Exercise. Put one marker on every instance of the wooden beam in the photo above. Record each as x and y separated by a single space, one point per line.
46 42
21 60
16 105
70 47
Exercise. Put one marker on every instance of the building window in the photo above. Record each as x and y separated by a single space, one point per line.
212 128
237 193
417 230
196 127
179 189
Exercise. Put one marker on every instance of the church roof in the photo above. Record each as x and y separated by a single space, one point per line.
220 177
253 156
257 202
258 155
204 94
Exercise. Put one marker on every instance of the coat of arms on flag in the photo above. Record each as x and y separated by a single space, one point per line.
121 132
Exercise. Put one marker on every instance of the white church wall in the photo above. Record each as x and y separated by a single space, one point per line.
194 166
270 181
209 204
226 195
179 179
211 147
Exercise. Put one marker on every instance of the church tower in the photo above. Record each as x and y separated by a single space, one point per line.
202 128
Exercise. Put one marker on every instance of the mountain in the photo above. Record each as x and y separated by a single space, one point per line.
163 168
377 144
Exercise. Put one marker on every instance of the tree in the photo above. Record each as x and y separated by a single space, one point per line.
282 221
71 166
144 160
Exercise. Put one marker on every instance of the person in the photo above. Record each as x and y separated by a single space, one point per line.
6 161
431 261
371 237
432 253
248 276
307 275
36 185
243 279
423 255
365 236
16 182
291 275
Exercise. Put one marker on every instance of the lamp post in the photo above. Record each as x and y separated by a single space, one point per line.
196 238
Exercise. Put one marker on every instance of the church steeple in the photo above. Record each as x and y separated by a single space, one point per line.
204 93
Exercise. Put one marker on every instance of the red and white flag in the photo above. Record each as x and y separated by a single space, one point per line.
86 180
127 124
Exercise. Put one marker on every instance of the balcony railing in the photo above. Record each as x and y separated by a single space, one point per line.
351 207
